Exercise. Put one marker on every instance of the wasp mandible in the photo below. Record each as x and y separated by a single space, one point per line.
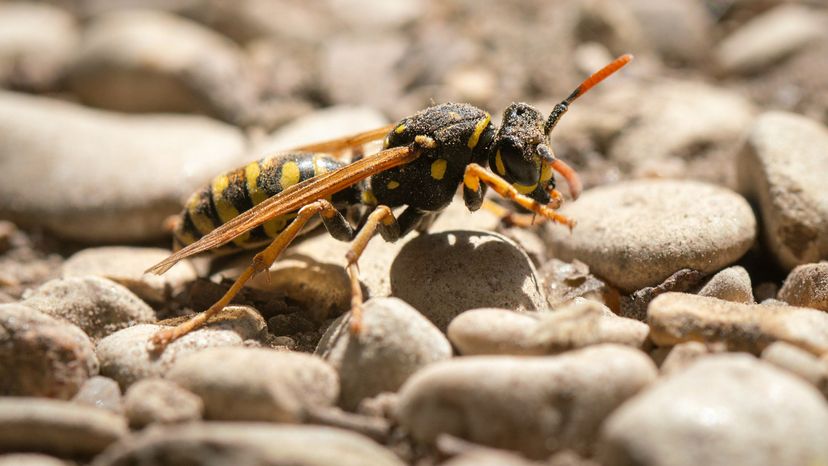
425 158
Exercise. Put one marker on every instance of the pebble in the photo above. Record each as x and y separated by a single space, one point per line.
488 457
396 342
576 325
535 405
153 61
769 38
679 30
730 284
161 159
98 306
636 234
745 412
126 265
35 57
782 165
807 286
124 355
682 356
680 317
493 331
679 131
57 427
31 459
250 443
444 274
150 401
584 323
101 392
256 384
799 362
565 281
42 356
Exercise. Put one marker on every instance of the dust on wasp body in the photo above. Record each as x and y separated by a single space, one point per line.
425 158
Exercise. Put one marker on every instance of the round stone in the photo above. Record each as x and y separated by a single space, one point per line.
127 265
248 444
444 274
807 286
57 427
746 412
492 331
535 405
783 165
98 306
125 355
396 342
731 284
93 196
636 234
101 392
41 355
151 401
257 384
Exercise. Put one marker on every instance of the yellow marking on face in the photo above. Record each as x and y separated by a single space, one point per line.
225 209
438 169
392 185
478 130
546 173
290 175
251 174
501 169
524 189
203 223
367 197
399 129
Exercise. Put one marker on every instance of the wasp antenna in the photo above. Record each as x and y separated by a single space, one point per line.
588 84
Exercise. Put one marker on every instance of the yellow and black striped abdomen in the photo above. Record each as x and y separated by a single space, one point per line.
236 191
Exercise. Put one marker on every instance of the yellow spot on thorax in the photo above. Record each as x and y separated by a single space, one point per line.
393 184
225 209
438 169
399 129
501 169
290 175
478 130
367 197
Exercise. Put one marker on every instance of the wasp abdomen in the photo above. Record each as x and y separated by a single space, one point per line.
237 191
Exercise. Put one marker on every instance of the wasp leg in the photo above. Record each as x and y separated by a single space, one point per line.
261 262
522 220
381 218
475 174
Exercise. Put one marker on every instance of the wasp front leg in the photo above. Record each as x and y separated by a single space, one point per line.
476 173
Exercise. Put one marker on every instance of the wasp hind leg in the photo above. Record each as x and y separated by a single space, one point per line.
334 222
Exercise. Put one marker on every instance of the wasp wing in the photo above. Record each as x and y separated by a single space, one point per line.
291 199
347 142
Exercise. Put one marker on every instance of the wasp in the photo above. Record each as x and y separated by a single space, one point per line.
425 158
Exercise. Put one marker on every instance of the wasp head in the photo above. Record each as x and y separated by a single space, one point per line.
521 153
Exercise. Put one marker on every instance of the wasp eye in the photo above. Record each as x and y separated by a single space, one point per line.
519 169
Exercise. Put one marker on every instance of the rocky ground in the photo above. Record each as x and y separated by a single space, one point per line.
684 321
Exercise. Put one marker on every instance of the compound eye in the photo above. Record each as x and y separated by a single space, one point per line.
518 168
